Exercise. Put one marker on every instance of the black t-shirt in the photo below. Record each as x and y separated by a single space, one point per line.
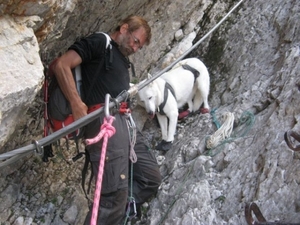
112 78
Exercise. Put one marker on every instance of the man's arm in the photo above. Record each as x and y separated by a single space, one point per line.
64 76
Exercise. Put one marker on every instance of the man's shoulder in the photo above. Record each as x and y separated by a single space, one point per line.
100 37
91 46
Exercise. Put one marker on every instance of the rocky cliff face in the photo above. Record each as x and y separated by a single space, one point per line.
253 60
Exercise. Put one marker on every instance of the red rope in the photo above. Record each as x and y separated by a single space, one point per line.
107 130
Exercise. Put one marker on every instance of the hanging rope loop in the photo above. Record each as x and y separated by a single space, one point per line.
132 136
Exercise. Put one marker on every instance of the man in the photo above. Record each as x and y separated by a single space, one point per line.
110 77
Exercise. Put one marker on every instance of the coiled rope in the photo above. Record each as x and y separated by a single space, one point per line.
227 134
222 133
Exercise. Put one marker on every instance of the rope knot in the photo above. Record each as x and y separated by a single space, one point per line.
108 127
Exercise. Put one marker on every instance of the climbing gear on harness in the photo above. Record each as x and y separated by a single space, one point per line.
288 139
107 130
253 208
132 134
131 211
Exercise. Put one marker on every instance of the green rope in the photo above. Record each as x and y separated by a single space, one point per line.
130 198
246 122
131 182
214 118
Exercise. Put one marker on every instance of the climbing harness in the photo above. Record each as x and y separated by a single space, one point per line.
107 130
14 155
288 135
253 208
168 88
193 70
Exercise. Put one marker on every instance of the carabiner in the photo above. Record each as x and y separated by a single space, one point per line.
106 105
129 213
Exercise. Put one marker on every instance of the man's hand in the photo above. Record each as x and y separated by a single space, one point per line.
79 109
63 73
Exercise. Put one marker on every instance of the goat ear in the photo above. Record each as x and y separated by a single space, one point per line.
149 76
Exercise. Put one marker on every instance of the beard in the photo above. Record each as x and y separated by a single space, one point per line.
124 47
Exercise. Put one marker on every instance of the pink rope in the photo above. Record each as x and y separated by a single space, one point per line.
107 130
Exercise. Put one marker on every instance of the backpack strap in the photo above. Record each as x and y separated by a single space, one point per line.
108 46
87 162
108 39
